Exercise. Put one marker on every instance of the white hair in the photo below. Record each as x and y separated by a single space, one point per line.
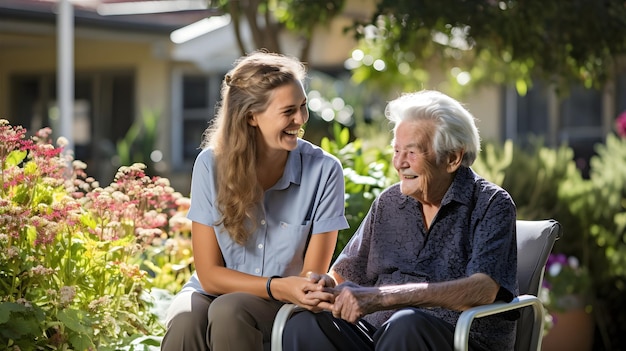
455 127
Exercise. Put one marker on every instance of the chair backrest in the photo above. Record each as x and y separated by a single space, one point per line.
535 240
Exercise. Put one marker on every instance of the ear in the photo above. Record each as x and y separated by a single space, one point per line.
252 120
454 160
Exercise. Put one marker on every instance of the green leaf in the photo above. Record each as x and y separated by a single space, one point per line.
30 168
22 194
6 308
344 136
31 234
81 342
75 320
15 157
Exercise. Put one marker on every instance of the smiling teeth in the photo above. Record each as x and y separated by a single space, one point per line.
292 132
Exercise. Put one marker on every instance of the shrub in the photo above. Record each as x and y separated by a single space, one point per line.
366 174
70 251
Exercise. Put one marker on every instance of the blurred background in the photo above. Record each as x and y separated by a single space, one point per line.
130 81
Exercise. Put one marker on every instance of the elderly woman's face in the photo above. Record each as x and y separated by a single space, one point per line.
415 160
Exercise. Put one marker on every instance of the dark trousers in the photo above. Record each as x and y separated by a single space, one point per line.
409 329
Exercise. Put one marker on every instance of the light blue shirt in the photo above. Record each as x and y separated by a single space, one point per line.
307 200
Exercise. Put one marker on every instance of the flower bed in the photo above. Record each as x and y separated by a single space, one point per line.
77 260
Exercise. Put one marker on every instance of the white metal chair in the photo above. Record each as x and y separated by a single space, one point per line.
535 240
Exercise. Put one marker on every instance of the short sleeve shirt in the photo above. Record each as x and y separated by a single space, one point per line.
307 200
473 232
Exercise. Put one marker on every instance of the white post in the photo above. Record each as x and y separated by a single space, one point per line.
65 71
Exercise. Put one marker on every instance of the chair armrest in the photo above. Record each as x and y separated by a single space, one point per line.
461 332
284 313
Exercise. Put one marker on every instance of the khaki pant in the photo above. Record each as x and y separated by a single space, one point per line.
230 322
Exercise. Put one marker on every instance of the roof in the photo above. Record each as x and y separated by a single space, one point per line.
152 16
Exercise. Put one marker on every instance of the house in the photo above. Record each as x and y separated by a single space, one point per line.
130 62
169 64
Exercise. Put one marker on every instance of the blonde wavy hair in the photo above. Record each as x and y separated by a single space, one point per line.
246 90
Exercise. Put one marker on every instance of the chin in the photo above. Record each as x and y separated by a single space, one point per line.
405 189
290 145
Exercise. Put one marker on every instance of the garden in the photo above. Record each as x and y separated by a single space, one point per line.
87 266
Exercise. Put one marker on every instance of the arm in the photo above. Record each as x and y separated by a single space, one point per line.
353 302
316 259
214 277
217 279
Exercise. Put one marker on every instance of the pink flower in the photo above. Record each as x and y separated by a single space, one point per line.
620 125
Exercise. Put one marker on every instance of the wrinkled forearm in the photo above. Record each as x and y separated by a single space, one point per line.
457 295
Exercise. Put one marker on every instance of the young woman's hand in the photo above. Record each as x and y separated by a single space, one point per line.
304 292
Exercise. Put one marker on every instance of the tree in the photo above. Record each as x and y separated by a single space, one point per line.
561 41
267 18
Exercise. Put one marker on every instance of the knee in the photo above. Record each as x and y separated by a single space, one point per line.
187 323
406 322
187 312
185 330
302 332
409 317
300 323
414 329
227 306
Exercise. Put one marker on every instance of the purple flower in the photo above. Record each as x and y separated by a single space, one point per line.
556 258
620 124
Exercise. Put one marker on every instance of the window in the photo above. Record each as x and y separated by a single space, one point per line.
195 113
195 95
103 112
576 120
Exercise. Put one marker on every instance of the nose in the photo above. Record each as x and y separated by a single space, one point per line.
399 160
302 116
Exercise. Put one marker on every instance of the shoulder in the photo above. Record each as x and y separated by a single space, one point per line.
205 156
486 189
392 197
492 197
494 192
314 153
391 192
205 161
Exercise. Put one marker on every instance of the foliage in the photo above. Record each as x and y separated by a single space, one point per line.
366 174
600 204
471 42
70 250
139 142
493 41
545 183
620 125
566 284
298 16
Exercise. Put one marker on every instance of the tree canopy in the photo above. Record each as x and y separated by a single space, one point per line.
472 41
561 41
267 18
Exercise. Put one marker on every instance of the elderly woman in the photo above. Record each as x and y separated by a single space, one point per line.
437 243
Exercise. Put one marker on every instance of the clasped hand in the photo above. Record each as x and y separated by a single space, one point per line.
347 301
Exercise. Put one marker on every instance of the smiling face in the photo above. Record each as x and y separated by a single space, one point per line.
421 177
278 126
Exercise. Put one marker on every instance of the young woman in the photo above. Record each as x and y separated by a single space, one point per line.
266 208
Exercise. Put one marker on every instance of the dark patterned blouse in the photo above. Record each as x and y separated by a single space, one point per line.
473 232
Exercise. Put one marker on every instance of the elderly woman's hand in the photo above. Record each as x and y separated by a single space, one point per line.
324 280
352 301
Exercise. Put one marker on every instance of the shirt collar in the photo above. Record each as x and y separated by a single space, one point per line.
293 169
458 190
